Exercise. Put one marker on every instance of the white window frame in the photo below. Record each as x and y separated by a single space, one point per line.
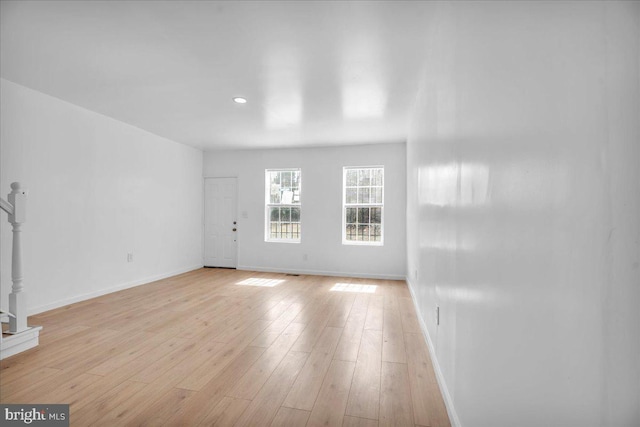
269 205
356 205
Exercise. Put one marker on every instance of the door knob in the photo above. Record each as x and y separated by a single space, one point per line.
234 229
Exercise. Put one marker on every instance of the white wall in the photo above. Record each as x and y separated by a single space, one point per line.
98 189
523 166
321 215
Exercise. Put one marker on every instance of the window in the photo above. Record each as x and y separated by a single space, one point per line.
363 196
282 195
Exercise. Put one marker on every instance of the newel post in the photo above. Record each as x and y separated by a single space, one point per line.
17 298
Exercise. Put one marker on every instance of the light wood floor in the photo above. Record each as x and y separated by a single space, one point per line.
225 347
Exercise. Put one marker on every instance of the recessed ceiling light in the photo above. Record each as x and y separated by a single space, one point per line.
239 100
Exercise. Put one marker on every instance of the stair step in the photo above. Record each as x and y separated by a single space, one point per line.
12 344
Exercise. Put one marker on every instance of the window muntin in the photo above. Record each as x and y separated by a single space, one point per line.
282 200
363 205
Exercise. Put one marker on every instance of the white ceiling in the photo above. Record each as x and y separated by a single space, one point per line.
315 73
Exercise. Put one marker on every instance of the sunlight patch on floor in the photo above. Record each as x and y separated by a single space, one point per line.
255 281
351 287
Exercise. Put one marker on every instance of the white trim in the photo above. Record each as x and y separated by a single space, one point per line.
283 240
204 216
323 273
6 206
361 242
268 205
61 303
364 167
204 219
357 205
22 341
448 401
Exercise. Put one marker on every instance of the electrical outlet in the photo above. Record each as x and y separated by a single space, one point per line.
129 257
437 314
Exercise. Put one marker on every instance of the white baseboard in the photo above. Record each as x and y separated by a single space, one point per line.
11 345
322 273
66 301
448 401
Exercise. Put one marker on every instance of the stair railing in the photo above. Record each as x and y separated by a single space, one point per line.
15 207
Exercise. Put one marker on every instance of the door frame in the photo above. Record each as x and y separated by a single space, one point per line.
204 213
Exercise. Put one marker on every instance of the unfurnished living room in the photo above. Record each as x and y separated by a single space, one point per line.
320 213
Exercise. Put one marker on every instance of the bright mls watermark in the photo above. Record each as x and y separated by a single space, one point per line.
54 415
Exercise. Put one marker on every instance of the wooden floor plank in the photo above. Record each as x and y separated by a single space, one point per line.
358 422
428 405
374 313
249 385
408 315
395 396
350 340
307 385
105 405
173 352
51 356
340 314
62 391
421 377
33 391
393 338
332 399
265 405
171 378
225 413
438 416
273 331
25 379
207 370
161 409
364 396
199 404
128 351
314 329
289 417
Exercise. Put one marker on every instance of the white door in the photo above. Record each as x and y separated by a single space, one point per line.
220 222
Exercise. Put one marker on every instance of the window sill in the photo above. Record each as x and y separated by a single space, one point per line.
356 243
